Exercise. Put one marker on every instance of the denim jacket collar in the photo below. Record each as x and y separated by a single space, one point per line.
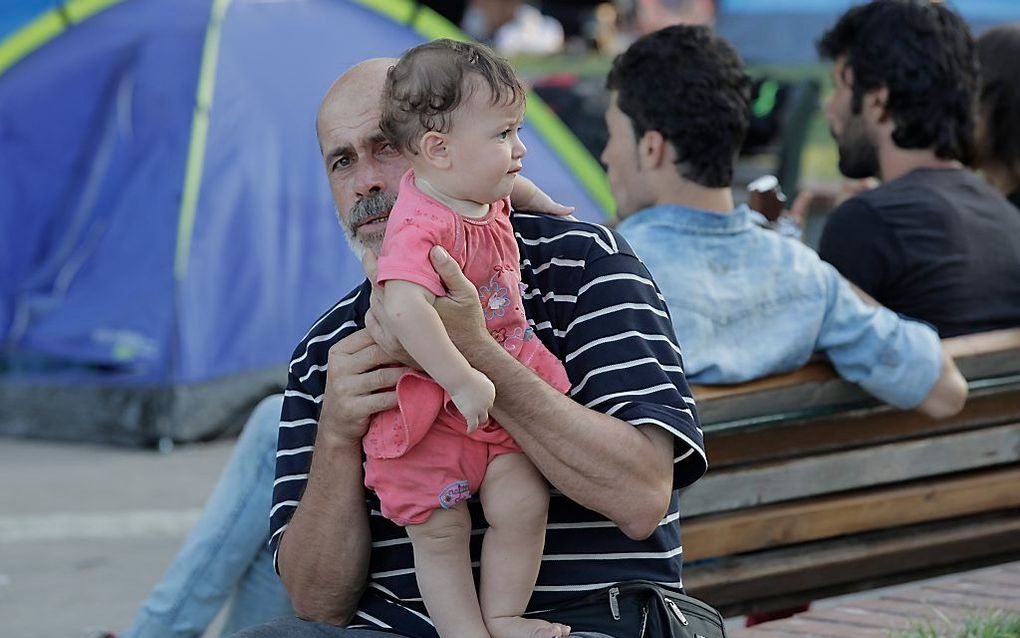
693 220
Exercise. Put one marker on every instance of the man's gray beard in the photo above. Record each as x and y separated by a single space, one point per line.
371 206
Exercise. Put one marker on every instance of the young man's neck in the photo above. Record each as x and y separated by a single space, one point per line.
896 162
462 207
682 192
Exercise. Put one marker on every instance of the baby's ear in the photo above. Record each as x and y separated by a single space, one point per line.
433 149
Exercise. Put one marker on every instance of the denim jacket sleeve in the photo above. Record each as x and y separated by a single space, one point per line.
893 358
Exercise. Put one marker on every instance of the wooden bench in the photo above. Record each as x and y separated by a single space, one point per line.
815 489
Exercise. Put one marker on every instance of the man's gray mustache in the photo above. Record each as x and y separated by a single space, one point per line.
374 205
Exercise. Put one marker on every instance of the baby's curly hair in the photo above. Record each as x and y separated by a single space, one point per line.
431 80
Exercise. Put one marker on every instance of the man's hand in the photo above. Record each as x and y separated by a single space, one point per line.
359 383
460 310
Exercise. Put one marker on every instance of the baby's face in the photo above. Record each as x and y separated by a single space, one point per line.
485 151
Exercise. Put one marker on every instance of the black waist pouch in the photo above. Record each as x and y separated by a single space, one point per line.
638 609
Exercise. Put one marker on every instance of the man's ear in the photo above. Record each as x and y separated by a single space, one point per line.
652 150
876 105
433 149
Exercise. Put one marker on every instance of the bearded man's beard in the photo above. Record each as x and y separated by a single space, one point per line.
858 156
375 205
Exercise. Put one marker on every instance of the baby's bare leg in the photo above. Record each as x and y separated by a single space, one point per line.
516 501
442 563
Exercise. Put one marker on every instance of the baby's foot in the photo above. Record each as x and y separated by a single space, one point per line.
517 627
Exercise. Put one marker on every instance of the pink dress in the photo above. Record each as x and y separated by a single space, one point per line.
420 456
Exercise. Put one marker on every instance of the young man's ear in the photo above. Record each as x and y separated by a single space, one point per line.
876 102
433 150
652 150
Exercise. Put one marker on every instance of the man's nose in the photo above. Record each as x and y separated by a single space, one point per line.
370 179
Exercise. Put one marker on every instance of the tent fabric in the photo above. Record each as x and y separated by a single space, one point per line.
166 230
785 31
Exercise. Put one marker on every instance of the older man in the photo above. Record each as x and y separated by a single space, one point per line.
615 450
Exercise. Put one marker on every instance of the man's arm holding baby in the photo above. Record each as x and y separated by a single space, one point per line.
582 452
324 565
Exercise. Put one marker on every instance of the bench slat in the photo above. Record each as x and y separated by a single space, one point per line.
795 575
837 472
827 517
857 429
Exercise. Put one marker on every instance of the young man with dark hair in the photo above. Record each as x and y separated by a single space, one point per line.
745 302
933 242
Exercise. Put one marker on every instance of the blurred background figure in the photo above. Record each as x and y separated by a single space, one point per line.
653 15
512 27
998 127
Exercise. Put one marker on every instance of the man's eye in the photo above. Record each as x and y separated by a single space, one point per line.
342 162
388 148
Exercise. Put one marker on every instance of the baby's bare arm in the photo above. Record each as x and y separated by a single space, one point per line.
527 195
420 331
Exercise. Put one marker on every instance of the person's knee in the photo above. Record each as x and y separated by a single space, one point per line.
524 508
445 528
516 496
261 431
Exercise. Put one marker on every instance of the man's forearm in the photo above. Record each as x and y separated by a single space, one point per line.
585 454
949 393
324 553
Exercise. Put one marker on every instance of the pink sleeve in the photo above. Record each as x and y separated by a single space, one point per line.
411 232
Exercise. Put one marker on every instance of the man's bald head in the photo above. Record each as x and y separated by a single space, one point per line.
357 90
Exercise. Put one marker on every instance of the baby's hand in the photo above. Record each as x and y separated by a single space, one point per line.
527 196
474 399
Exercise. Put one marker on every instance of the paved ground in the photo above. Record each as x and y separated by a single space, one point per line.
85 531
943 604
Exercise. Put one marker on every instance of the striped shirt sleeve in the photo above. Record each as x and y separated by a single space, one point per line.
299 419
622 357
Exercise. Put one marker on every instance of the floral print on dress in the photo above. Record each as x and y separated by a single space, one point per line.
515 339
495 298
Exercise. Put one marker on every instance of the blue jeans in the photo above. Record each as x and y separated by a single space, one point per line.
226 552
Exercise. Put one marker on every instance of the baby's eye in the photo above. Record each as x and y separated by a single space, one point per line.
505 134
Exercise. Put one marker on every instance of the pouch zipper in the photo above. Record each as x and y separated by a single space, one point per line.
614 605
676 610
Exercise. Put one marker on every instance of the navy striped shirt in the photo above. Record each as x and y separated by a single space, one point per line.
594 305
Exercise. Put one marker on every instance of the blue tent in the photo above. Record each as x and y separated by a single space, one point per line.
166 231
785 31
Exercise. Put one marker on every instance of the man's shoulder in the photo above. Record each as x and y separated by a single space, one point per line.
342 318
565 237
924 192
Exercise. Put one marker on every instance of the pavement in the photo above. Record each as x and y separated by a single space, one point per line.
86 530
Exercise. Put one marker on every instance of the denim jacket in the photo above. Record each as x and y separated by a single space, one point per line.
747 303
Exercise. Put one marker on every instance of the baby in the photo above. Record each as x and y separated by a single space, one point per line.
455 110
